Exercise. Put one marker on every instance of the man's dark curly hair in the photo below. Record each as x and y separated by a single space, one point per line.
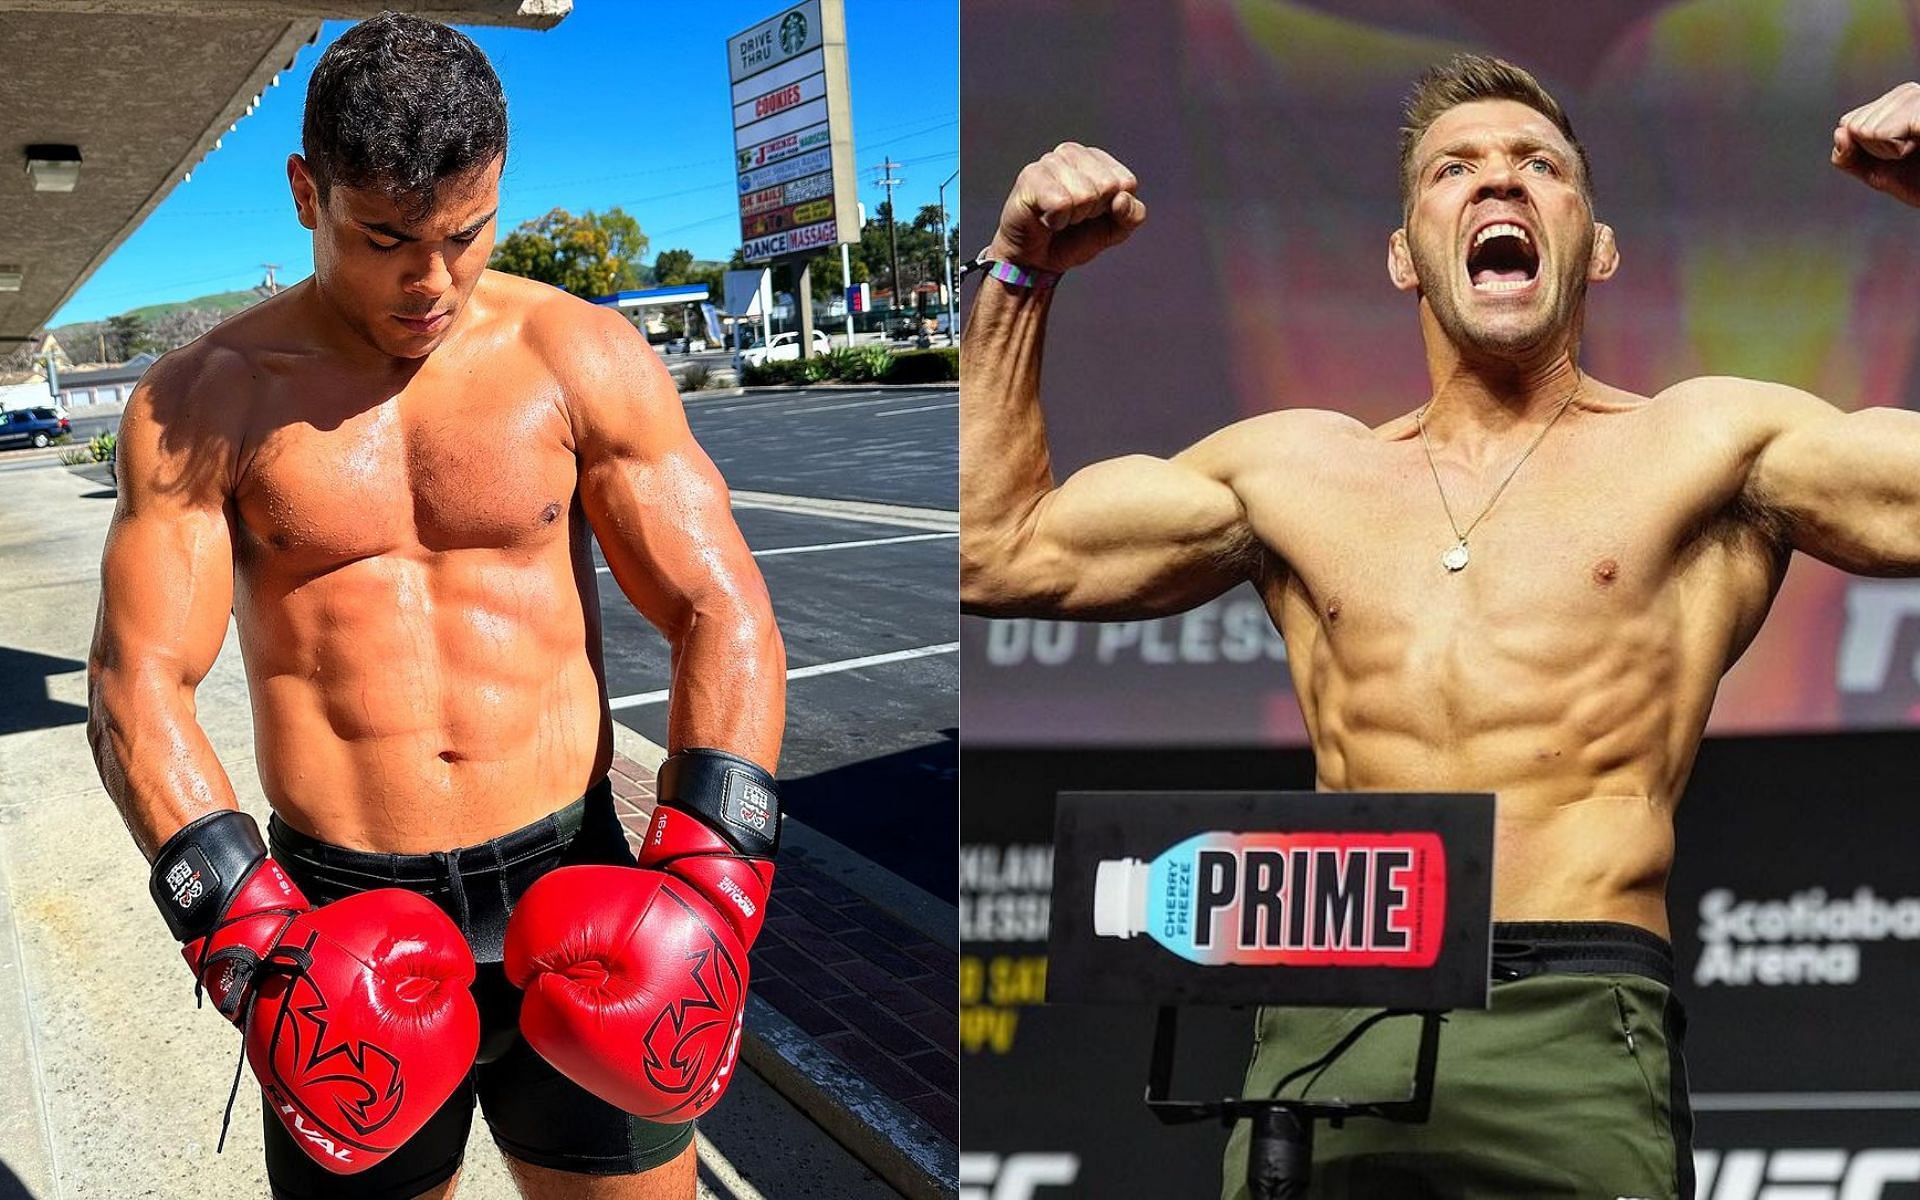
400 103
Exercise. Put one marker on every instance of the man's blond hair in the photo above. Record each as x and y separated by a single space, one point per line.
1461 80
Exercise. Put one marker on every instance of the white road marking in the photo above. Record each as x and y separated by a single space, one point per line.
802 412
852 510
901 412
724 1172
827 668
885 541
744 402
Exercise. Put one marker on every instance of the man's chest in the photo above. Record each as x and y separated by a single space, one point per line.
430 468
1592 542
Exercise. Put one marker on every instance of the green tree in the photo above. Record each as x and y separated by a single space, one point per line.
590 255
127 335
825 277
673 267
919 251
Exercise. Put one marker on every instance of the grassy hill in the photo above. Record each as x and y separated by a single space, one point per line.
74 332
221 301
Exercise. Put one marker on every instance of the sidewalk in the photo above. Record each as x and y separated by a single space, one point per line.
111 1083
854 988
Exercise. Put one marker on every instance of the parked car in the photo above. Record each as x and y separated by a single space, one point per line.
784 347
33 427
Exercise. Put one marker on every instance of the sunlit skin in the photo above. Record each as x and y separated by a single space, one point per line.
399 519
1571 667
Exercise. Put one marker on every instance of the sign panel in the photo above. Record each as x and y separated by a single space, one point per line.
783 147
806 238
793 132
1367 898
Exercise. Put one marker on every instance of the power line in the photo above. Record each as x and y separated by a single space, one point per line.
931 124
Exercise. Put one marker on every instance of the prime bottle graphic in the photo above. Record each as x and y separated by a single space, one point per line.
1283 899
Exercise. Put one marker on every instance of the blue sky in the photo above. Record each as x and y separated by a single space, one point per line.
623 103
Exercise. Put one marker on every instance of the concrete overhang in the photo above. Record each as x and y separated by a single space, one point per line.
145 88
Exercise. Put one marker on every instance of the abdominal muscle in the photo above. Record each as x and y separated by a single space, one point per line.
409 703
1584 733
1569 845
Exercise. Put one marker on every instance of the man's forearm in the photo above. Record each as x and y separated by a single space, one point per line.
1005 467
154 758
730 685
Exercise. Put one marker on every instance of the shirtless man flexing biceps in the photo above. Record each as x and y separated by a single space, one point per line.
392 473
1530 585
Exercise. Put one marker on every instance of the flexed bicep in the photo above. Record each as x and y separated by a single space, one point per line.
1125 538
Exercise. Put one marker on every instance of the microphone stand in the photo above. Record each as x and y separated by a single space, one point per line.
1280 1156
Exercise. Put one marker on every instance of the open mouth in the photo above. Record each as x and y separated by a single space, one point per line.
1502 258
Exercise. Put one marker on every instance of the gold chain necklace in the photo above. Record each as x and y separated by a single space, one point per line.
1455 559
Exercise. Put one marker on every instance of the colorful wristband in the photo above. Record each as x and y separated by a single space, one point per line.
1012 274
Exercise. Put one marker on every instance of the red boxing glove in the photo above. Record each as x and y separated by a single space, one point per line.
636 980
358 1016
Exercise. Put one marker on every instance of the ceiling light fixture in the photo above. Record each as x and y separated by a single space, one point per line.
53 166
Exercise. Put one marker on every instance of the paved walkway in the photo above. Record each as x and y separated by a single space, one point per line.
855 988
111 1083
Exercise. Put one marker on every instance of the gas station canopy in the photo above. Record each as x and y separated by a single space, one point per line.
142 90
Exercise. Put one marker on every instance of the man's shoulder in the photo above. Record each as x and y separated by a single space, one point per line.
211 374
182 424
551 319
197 382
1289 440
1746 413
601 363
1290 431
1730 390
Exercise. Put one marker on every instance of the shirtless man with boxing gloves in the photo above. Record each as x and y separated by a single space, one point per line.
391 474
1531 585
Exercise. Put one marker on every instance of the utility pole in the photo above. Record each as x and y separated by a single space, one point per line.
271 287
888 182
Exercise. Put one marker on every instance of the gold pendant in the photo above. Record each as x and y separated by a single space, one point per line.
1455 559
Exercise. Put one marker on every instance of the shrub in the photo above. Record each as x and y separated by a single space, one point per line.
102 447
695 377
788 371
76 457
861 364
925 366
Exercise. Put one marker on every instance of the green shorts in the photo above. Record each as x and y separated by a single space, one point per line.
1571 1084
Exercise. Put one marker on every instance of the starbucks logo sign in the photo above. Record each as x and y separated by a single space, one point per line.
793 32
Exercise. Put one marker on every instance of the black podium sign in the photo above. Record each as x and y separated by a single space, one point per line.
1362 898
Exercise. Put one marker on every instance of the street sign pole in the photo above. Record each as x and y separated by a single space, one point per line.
846 288
803 285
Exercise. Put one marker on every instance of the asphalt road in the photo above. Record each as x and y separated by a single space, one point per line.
866 606
886 445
